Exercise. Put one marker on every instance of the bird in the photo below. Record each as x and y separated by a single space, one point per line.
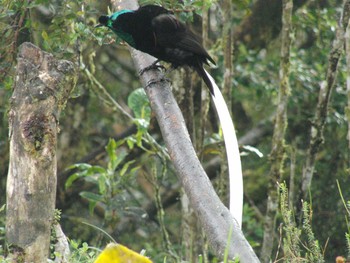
155 30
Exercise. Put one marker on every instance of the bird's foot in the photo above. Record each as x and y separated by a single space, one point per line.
157 81
151 67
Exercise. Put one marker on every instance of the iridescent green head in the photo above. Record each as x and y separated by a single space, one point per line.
108 22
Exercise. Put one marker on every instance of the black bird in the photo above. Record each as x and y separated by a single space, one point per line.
155 30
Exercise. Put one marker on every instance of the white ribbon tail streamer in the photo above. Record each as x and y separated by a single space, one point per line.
232 152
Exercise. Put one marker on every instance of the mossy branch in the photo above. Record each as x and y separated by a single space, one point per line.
277 154
325 92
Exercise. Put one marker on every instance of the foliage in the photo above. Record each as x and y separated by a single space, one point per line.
81 252
347 218
314 251
115 184
110 181
293 235
53 236
291 246
253 227
138 102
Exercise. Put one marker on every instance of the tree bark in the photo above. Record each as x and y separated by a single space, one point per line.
277 154
215 218
42 87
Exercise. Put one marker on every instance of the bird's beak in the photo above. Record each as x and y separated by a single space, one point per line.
98 25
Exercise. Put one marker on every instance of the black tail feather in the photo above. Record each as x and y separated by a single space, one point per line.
201 72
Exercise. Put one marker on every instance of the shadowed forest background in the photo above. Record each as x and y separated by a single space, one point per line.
114 173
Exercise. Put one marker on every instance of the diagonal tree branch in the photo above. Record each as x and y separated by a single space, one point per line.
213 215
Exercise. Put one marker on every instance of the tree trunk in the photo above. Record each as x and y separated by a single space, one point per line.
41 89
277 154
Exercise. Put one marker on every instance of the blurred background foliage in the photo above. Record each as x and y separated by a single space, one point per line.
125 188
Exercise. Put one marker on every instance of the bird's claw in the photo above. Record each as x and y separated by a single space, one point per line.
151 67
156 81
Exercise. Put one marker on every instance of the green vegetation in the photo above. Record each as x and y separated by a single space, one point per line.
120 179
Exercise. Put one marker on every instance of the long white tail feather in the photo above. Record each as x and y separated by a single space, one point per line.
232 152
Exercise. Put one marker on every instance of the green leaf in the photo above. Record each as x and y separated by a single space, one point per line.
111 150
84 171
92 206
114 159
139 103
74 244
96 169
126 167
92 196
79 166
102 184
138 137
131 142
71 179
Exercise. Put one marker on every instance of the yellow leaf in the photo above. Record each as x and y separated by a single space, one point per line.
116 253
45 35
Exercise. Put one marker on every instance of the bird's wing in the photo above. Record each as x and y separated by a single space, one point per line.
170 32
152 10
